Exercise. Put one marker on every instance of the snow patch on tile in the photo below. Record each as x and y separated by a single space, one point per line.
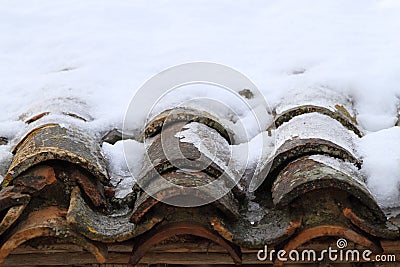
236 160
210 143
5 160
341 166
320 96
316 125
123 174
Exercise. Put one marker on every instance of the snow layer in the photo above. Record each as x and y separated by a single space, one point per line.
320 96
316 125
210 143
5 160
231 110
100 51
236 160
342 166
123 173
382 165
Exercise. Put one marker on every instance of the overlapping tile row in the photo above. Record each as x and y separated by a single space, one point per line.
174 181
49 161
321 181
56 190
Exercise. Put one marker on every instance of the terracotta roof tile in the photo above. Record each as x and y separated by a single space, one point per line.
57 186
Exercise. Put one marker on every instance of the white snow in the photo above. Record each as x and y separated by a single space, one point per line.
382 165
316 125
97 53
123 173
232 111
5 160
233 159
320 96
345 167
210 143
100 52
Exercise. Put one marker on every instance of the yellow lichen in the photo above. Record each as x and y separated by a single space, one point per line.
92 230
346 113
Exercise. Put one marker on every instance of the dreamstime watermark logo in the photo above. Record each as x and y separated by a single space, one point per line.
222 95
338 254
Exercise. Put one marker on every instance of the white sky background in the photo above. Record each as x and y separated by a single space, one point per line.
110 48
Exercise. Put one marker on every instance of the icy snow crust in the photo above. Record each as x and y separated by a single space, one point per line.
342 166
316 125
320 96
89 58
235 160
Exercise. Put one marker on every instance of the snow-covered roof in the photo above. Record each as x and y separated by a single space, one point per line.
308 141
